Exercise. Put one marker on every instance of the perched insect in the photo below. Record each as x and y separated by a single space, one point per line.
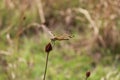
56 38
62 37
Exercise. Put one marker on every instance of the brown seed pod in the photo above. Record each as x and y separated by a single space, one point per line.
48 48
88 74
24 18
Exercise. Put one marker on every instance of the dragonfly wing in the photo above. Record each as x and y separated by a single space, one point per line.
50 34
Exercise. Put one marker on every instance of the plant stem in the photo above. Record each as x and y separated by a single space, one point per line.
46 66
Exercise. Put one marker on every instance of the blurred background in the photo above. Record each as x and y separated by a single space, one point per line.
95 46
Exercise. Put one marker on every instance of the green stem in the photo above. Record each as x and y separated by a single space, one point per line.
46 66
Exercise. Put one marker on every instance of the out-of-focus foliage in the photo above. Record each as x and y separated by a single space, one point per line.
22 45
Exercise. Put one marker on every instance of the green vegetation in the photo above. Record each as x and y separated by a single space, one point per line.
22 45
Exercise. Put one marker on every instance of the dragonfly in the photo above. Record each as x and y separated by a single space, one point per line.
56 38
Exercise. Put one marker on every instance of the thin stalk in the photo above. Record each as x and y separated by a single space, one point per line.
46 66
86 78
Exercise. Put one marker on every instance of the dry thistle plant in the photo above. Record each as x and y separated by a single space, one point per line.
49 48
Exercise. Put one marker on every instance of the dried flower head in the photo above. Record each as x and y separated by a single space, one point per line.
24 18
48 48
88 74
